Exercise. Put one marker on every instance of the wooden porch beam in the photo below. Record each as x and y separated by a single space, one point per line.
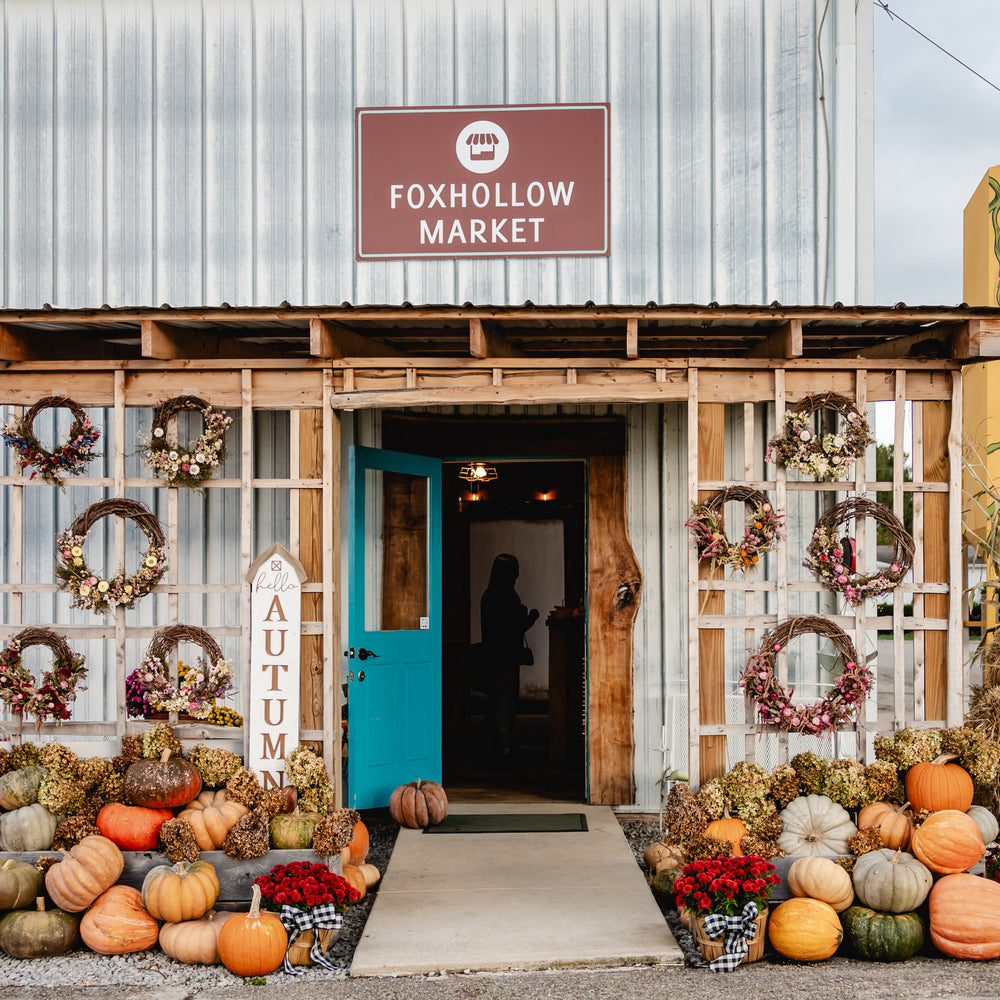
328 339
487 342
632 337
170 343
978 338
923 344
783 342
15 345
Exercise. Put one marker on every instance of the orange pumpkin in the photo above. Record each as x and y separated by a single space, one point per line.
806 930
118 923
730 828
184 891
965 916
85 871
253 943
935 785
894 823
356 877
357 850
132 828
948 842
418 804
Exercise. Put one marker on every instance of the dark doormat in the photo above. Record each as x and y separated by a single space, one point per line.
511 823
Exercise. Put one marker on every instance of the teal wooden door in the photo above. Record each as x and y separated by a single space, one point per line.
394 624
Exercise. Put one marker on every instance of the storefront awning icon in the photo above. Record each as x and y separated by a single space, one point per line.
482 145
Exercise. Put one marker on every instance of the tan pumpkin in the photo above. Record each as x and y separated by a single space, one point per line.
118 923
730 828
211 816
659 855
948 842
965 916
939 784
85 871
30 828
355 877
371 874
805 930
821 878
184 891
418 804
194 942
253 943
815 824
894 823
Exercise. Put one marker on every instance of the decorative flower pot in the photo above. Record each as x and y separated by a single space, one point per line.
298 951
165 716
711 949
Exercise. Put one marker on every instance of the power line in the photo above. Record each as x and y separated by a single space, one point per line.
895 17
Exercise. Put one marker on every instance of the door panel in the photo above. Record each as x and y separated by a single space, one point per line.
394 624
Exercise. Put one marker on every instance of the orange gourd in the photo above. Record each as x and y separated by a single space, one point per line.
806 930
355 877
894 823
938 784
253 943
730 828
194 942
85 871
418 804
211 815
965 916
132 828
118 923
948 842
184 891
357 849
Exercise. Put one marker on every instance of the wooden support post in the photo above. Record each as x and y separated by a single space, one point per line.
485 342
310 548
334 340
936 427
711 642
15 345
784 342
632 337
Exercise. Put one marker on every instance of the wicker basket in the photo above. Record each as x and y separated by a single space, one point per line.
716 949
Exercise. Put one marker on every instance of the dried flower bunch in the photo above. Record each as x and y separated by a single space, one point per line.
70 458
102 594
822 456
173 463
762 529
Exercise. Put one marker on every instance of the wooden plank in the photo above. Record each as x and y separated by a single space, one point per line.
246 538
781 550
977 338
955 698
898 660
166 342
936 427
632 337
486 341
784 342
17 345
614 591
919 651
331 340
694 597
924 344
332 630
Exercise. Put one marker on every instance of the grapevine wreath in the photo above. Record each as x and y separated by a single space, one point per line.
70 458
50 697
188 466
760 535
825 557
101 594
774 705
827 456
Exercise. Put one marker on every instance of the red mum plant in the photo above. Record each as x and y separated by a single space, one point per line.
725 885
303 884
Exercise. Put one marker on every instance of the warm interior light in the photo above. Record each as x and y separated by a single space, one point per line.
478 472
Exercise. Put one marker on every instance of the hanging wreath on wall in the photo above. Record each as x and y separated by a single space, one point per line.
774 706
187 466
149 688
826 558
827 456
49 698
101 594
70 458
761 531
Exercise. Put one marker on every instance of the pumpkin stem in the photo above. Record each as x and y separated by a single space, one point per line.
165 756
7 864
944 758
39 903
255 903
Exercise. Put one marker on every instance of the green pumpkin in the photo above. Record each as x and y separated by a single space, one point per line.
20 788
37 933
20 884
30 828
293 831
883 937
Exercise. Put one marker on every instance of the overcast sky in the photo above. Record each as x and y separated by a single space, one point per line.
937 131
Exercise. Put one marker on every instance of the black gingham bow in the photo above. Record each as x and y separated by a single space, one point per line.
738 930
323 916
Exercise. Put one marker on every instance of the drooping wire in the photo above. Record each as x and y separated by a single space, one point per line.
893 16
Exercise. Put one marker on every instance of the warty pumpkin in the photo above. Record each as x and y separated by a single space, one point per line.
132 828
891 881
194 942
948 842
184 891
418 804
815 824
37 933
253 943
820 878
806 930
939 784
86 870
20 788
211 815
162 784
730 828
20 884
989 829
965 916
882 937
894 823
117 923
30 828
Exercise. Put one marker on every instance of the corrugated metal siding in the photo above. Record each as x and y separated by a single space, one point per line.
201 151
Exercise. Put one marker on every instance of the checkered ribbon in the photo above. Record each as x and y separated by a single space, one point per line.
738 930
321 917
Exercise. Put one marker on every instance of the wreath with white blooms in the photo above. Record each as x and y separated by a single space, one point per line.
179 465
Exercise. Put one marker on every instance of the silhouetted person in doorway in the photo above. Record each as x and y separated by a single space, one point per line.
503 620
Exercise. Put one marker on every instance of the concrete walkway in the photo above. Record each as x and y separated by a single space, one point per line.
495 901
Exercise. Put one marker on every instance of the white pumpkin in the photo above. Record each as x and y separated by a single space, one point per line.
30 828
815 824
989 828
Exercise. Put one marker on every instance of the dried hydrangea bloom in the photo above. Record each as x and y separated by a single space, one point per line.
249 836
703 846
683 817
92 771
977 753
59 759
747 786
23 755
712 799
305 769
72 830
784 784
161 737
864 841
882 783
215 765
178 840
811 769
763 847
845 782
244 787
62 796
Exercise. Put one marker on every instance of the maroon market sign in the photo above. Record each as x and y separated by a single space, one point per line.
517 181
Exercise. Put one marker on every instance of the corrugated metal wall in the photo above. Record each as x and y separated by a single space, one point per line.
201 151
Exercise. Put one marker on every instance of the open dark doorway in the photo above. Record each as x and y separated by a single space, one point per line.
535 510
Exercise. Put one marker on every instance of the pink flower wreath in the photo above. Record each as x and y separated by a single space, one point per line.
774 705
